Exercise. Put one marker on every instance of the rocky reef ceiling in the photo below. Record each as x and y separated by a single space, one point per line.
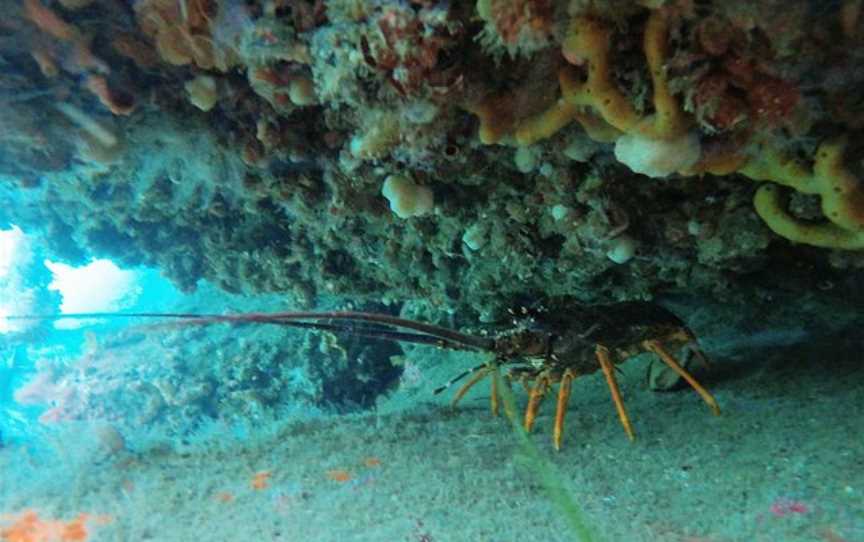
466 154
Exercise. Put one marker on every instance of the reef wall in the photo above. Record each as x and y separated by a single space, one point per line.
467 156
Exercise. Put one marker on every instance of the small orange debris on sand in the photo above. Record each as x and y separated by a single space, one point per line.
28 527
339 475
371 462
224 496
261 480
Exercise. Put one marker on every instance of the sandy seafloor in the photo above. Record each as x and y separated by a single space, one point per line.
784 462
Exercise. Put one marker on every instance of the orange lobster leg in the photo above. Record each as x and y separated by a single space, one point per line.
561 408
478 376
606 364
536 395
657 348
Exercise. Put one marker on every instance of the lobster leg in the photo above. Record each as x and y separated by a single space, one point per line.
657 348
494 395
561 408
479 375
541 384
608 367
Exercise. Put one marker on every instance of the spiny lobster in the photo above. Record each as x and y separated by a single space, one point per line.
544 347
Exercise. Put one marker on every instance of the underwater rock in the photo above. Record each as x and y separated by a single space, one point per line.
269 179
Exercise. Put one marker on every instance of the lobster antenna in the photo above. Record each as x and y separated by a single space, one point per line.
380 333
447 334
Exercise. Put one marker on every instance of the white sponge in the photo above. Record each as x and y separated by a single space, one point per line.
406 198
657 157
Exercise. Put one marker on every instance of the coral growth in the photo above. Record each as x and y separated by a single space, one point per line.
659 144
405 46
182 32
521 26
247 144
204 376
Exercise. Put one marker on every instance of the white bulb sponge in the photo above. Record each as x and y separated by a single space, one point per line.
622 250
657 157
406 198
